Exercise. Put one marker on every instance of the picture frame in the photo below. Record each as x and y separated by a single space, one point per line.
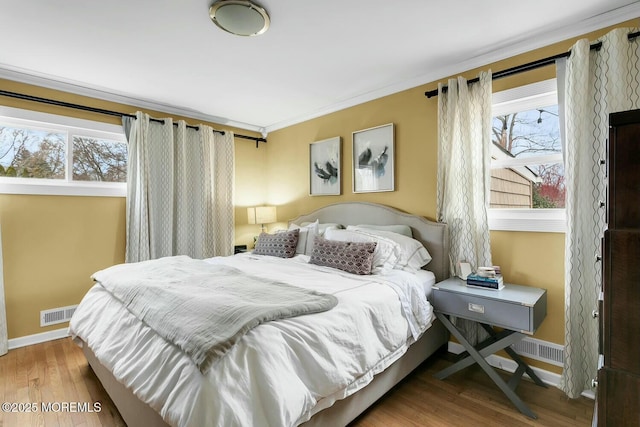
373 154
325 167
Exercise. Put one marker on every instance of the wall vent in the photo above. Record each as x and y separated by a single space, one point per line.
56 315
540 350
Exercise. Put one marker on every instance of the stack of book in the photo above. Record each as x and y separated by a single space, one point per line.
485 282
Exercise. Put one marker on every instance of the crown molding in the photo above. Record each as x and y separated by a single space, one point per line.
39 79
544 37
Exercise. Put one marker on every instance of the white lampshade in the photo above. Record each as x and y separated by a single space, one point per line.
262 215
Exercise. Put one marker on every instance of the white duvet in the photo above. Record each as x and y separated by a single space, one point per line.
281 372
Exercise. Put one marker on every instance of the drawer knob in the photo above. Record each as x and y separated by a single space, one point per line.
601 204
603 162
595 314
598 258
594 383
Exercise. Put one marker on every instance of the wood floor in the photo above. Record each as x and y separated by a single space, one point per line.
51 373
470 398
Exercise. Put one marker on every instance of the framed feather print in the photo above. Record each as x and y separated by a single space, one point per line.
324 167
373 159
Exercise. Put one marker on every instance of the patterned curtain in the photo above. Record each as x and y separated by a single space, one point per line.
464 138
179 190
597 82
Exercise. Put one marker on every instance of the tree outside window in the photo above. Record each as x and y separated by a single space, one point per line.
30 153
527 149
99 160
35 153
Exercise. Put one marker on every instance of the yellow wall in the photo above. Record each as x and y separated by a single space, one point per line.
533 259
52 244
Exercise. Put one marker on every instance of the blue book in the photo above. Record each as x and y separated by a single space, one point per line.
485 282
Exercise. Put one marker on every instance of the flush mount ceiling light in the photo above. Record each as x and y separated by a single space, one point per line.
240 17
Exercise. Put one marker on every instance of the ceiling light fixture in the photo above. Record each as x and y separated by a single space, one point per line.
240 17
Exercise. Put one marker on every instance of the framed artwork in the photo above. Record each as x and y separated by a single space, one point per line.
373 159
324 167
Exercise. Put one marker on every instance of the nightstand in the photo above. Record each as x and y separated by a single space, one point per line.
518 310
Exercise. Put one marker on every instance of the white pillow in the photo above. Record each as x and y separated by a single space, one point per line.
385 256
413 254
324 226
400 228
305 237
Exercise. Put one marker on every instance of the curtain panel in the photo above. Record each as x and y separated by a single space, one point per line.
179 190
595 83
464 138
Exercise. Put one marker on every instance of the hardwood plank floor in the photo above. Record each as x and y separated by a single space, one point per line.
470 398
50 375
56 372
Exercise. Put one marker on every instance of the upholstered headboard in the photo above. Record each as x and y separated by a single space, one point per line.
433 235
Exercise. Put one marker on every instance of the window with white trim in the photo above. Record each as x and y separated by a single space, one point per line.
527 171
57 155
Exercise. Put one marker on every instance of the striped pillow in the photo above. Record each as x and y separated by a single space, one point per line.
306 236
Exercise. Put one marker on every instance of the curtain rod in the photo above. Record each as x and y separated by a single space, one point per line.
106 112
528 66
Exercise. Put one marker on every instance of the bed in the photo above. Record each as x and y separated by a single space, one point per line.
112 343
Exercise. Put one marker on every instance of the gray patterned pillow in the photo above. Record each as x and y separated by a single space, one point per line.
281 244
352 257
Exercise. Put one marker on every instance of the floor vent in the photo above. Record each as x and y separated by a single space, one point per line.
540 350
56 315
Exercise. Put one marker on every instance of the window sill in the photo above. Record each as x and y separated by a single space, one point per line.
534 220
54 188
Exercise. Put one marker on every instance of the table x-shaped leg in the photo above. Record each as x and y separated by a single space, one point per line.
522 365
497 341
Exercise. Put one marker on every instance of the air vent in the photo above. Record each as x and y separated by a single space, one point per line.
56 315
540 350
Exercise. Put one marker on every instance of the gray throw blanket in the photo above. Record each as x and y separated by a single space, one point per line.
204 308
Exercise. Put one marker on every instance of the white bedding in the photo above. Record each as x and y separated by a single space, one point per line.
427 279
272 376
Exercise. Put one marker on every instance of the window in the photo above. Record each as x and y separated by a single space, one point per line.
527 171
48 154
97 159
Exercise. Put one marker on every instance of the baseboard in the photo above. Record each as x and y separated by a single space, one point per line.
508 365
38 338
